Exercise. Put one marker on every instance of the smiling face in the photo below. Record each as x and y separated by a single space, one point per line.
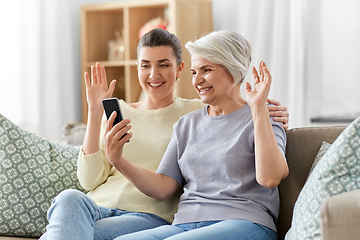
212 82
157 72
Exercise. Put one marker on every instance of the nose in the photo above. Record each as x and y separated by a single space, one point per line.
154 73
197 79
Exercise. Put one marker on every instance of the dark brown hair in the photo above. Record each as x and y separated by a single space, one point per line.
158 37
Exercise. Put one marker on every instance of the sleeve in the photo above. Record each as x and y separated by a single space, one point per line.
169 164
93 169
280 135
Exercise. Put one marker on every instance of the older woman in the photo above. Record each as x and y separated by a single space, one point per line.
228 156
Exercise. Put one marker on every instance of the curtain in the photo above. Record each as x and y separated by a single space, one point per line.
340 82
310 48
275 30
40 64
40 87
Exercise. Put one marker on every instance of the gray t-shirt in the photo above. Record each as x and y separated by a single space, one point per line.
213 159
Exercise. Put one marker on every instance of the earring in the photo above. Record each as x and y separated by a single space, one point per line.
177 79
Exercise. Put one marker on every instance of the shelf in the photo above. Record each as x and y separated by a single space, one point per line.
188 20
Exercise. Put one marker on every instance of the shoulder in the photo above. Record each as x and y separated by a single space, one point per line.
123 104
191 103
191 117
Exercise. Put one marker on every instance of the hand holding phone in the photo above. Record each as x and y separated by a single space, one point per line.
112 105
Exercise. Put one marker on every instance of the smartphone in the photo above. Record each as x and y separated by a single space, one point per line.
112 105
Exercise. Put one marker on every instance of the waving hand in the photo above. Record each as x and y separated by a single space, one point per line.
258 95
97 89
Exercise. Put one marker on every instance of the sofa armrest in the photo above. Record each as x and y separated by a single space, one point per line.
340 216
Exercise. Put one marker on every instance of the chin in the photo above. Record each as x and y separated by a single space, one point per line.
204 100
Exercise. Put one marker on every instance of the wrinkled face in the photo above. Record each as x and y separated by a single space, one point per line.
157 71
211 81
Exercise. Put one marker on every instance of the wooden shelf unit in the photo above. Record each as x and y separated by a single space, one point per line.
188 20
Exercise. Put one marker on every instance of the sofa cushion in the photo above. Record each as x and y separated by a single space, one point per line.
33 171
337 172
324 147
301 149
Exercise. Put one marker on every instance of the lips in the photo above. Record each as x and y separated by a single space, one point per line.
204 90
155 84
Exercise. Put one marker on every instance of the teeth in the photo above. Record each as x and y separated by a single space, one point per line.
153 84
205 89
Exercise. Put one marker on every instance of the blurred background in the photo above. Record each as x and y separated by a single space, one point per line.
310 46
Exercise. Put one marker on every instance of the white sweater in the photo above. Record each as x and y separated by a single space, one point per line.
152 131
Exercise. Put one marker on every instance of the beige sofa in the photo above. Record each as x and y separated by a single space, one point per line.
302 147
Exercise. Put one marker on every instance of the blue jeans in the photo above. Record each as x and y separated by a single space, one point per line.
217 230
73 215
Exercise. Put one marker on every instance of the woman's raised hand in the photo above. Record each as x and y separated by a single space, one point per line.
258 95
97 89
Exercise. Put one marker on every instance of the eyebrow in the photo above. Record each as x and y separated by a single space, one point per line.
202 67
159 61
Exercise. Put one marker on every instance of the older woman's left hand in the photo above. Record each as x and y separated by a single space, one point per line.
258 95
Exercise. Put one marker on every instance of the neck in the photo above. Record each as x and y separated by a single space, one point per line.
227 105
153 104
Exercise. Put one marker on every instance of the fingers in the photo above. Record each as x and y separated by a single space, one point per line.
103 74
283 120
266 73
261 70
116 133
278 108
267 77
112 87
278 111
248 87
255 75
93 77
98 72
274 102
87 80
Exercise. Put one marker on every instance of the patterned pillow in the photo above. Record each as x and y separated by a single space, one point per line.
337 172
323 148
33 171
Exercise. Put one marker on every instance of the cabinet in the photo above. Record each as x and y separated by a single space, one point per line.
188 20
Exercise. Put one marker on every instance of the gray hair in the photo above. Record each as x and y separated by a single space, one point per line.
227 48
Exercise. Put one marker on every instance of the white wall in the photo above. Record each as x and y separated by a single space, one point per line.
40 63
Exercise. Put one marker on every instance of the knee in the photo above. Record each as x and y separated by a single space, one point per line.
66 200
69 196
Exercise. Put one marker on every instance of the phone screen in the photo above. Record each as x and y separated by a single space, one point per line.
111 105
